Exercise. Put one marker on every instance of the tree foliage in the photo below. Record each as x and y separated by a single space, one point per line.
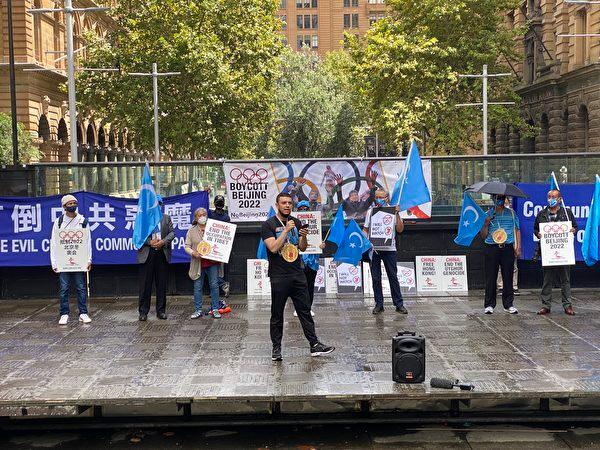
314 109
28 151
405 70
227 51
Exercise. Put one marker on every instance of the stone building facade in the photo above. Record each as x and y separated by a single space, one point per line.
41 101
559 79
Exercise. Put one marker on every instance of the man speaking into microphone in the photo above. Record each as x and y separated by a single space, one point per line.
284 236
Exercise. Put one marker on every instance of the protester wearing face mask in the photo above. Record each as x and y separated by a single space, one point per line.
507 204
201 268
502 244
70 220
555 212
388 256
220 213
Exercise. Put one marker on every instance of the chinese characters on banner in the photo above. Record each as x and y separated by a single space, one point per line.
27 226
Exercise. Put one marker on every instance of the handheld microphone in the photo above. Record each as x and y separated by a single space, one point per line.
443 383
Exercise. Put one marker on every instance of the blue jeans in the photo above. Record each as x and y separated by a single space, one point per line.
389 262
212 272
66 279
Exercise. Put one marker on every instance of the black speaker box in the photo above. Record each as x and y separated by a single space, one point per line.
408 358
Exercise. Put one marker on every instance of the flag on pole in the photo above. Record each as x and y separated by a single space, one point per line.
472 219
589 246
411 189
336 231
353 245
261 252
149 214
553 182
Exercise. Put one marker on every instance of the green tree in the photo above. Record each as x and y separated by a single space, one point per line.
405 70
28 151
314 113
227 51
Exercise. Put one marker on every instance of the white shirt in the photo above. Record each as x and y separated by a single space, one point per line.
68 223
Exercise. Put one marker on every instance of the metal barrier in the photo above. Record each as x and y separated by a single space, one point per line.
450 175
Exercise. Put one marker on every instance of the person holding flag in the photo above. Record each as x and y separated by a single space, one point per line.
390 224
589 247
152 237
555 211
284 237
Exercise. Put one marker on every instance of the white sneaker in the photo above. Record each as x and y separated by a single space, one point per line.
312 313
84 318
63 319
512 310
488 310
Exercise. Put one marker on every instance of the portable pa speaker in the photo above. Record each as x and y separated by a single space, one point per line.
408 358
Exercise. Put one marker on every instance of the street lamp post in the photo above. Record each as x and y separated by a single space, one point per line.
13 87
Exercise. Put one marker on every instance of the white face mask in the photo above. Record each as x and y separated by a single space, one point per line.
202 220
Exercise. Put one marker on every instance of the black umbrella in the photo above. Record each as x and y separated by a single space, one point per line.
498 188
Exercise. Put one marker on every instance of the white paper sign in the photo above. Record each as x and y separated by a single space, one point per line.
557 244
72 249
257 281
349 278
219 239
407 277
382 228
330 276
313 219
429 278
368 281
454 273
320 278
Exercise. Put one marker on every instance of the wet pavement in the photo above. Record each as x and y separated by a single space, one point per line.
224 365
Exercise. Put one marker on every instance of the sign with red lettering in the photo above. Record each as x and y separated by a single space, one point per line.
219 239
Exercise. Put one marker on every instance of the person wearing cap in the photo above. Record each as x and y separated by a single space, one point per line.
220 213
153 259
70 220
311 263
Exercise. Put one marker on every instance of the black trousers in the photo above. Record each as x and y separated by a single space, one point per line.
311 276
504 259
155 269
294 287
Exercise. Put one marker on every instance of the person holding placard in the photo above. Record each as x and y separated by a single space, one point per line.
284 237
502 245
201 268
68 223
221 214
555 212
382 222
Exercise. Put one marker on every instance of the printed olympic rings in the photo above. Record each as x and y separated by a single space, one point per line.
75 234
248 175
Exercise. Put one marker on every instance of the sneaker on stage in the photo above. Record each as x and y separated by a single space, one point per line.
320 349
488 310
162 316
84 318
569 311
198 313
64 319
276 355
543 311
143 317
401 310
312 313
516 291
512 310
377 309
216 314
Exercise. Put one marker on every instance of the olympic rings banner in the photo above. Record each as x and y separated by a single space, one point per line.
252 187
26 226
576 196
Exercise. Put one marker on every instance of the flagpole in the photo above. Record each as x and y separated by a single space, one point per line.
562 200
404 174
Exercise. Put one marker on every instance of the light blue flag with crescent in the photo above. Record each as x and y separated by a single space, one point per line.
149 214
472 219
261 252
589 246
553 182
336 231
411 189
353 245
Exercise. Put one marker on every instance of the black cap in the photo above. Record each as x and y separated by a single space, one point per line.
219 200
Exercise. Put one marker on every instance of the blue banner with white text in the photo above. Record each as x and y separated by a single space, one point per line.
576 197
26 226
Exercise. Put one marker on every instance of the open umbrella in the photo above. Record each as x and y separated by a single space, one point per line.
498 188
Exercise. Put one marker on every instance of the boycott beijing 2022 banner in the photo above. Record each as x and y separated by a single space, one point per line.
253 186
577 197
27 226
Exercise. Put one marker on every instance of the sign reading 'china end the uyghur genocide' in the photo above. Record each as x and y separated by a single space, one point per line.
26 226
253 186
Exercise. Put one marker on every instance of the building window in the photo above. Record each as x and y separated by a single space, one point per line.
307 40
374 17
315 21
299 42
313 3
43 128
283 22
510 19
299 22
355 3
299 3
284 41
282 4
346 20
581 43
307 21
307 3
346 3
354 20
376 2
315 41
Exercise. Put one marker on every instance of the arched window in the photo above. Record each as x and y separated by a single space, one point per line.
79 132
63 133
91 135
529 142
120 139
101 137
111 138
44 128
581 43
37 32
544 133
584 123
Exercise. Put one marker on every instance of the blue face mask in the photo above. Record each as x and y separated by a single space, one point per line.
500 201
552 202
380 201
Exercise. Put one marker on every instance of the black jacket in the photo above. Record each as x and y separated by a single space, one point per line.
561 216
